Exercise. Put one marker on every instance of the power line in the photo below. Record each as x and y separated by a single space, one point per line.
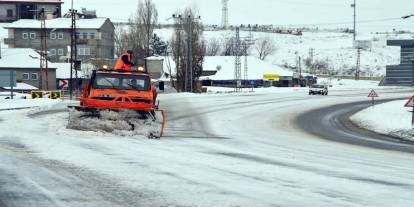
343 23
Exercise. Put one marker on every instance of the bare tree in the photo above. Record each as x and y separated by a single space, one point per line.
120 41
179 48
148 18
213 47
137 37
264 47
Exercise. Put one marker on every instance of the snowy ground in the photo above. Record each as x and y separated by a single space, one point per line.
218 150
388 118
27 103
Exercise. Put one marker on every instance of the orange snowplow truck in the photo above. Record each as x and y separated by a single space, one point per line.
120 90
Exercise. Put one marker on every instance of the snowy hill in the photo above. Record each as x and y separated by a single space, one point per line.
334 48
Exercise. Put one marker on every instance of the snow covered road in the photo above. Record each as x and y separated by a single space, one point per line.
219 150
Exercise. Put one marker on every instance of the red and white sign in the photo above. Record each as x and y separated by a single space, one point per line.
63 83
410 102
372 94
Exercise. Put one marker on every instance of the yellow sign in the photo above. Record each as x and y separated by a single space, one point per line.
55 94
37 94
271 76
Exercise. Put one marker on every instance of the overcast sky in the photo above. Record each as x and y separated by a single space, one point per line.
277 12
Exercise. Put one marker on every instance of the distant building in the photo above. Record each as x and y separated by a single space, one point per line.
26 63
95 37
402 74
13 10
219 71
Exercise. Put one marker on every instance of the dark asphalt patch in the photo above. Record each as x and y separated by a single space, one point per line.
333 123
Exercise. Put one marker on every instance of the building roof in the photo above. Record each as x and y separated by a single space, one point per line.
225 67
63 70
33 1
408 42
20 58
22 86
58 23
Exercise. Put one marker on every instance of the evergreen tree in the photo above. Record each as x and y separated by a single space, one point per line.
157 46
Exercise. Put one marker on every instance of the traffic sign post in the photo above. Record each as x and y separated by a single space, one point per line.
8 79
372 94
410 104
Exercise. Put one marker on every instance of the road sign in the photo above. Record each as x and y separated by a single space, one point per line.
7 77
37 94
63 83
372 94
410 102
271 76
55 94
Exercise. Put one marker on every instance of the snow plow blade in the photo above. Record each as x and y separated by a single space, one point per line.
122 122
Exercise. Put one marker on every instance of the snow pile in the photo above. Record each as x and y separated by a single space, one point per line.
390 118
122 123
6 104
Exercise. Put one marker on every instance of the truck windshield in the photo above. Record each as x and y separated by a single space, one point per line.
318 86
121 82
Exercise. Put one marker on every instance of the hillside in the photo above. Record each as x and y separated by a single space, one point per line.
334 48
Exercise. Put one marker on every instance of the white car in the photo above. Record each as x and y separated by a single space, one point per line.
318 89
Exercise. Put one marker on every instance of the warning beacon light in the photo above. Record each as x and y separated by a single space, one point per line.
141 69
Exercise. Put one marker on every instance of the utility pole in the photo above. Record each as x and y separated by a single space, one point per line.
358 65
311 56
74 64
237 63
44 73
354 6
300 67
246 45
189 20
189 87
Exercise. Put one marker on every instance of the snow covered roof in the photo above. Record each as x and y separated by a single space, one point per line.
33 1
15 58
22 86
63 70
225 67
58 23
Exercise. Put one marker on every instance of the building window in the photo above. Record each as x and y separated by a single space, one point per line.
77 35
25 36
53 52
60 35
85 35
34 76
32 35
52 35
25 76
60 51
9 13
84 51
92 35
